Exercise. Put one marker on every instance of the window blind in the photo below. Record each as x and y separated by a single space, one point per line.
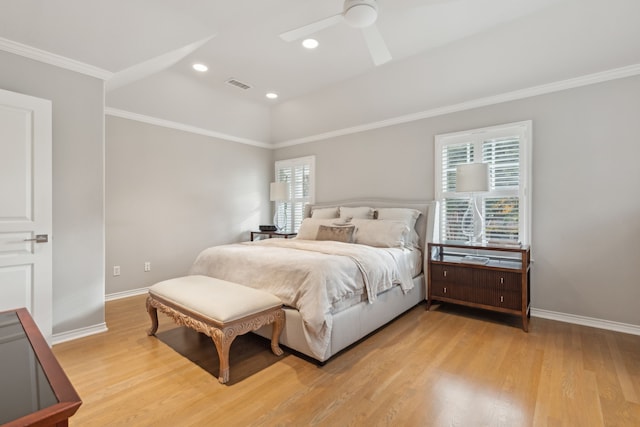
501 204
506 149
453 207
299 173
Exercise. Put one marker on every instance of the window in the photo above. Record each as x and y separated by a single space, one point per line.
506 207
300 174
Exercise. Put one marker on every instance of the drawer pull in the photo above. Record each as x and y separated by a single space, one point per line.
502 280
445 290
501 298
445 273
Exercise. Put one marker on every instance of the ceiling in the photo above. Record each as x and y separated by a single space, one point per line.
135 39
445 53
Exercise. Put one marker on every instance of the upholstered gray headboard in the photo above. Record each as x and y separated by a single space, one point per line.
426 225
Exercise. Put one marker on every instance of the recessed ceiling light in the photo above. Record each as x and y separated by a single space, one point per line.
200 67
310 43
271 95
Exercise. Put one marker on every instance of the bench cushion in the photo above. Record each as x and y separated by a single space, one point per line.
216 299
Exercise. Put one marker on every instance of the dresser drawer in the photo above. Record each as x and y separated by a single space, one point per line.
497 289
450 274
497 279
508 299
447 290
450 281
497 297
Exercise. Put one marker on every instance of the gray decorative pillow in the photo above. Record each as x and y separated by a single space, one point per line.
338 234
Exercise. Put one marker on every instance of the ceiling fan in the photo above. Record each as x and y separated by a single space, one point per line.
357 14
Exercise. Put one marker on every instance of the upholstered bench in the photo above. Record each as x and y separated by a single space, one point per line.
217 308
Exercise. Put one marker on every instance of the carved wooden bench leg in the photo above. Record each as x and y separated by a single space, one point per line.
216 320
223 339
278 324
153 313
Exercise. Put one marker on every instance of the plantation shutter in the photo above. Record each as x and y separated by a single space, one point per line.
299 173
501 204
453 207
505 207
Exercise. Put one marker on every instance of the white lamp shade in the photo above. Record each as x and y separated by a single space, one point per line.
472 178
279 191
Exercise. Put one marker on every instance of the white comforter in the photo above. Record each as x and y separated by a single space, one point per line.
310 276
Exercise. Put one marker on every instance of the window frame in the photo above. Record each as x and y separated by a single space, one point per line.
524 132
293 222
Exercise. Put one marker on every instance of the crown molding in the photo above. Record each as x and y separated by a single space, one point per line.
616 73
181 126
53 59
604 76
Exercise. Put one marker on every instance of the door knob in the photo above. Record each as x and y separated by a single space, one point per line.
40 238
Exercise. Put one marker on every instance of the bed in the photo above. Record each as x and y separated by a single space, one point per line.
354 266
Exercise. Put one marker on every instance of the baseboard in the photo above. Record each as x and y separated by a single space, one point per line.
535 312
586 321
125 294
79 333
96 329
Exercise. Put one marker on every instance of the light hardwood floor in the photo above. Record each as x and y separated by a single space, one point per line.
447 367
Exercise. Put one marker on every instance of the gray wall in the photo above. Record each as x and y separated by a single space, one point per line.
586 213
170 194
78 185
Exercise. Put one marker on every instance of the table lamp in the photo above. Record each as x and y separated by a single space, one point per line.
472 178
279 193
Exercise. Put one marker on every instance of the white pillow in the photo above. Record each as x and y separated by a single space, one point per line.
323 213
381 233
407 215
309 227
362 212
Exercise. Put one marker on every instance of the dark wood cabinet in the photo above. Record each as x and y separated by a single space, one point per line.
490 277
35 389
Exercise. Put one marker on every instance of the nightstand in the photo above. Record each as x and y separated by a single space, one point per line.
491 277
270 234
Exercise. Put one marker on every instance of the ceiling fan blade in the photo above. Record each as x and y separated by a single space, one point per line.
301 32
377 47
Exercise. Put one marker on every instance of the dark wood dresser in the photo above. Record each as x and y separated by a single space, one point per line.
491 277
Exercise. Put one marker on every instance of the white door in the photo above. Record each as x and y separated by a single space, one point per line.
25 207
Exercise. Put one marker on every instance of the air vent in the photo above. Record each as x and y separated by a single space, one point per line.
236 83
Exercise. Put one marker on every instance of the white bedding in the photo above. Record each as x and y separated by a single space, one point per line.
315 277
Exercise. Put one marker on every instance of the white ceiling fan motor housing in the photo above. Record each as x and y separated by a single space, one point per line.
360 13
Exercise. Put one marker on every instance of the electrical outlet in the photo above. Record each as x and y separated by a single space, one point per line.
147 266
116 270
